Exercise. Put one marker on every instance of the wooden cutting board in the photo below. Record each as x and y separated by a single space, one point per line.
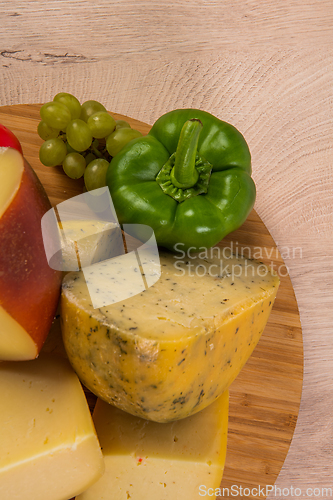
265 397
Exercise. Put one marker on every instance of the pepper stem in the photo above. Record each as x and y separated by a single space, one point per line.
184 174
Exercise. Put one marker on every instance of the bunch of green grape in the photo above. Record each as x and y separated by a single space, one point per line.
83 138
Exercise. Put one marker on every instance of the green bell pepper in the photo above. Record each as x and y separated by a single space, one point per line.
189 179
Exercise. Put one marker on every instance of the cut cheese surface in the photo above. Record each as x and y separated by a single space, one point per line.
146 460
48 444
15 342
170 350
11 170
86 242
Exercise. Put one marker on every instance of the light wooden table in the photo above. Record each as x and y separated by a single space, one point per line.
266 67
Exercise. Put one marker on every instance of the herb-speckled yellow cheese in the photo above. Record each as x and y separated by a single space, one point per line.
172 349
147 460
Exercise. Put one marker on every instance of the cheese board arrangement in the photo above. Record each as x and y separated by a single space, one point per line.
234 396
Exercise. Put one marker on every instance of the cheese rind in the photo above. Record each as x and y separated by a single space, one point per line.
146 460
48 444
170 351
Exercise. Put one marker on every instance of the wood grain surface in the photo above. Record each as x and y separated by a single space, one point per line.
265 397
264 66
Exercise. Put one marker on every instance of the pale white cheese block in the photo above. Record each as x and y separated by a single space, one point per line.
48 445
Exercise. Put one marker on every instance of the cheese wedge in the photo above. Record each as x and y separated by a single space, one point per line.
48 444
171 350
146 460
86 242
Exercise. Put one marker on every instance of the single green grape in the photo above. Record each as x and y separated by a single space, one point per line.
74 165
78 135
56 115
88 108
101 124
52 152
71 102
45 132
95 174
122 124
119 138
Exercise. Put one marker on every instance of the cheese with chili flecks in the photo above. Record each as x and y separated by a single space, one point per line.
147 460
171 350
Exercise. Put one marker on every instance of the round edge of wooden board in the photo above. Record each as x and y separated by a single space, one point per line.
265 397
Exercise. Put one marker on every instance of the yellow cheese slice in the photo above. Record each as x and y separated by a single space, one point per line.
48 444
146 460
172 349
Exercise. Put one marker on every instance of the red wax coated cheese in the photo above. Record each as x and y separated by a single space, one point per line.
29 288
